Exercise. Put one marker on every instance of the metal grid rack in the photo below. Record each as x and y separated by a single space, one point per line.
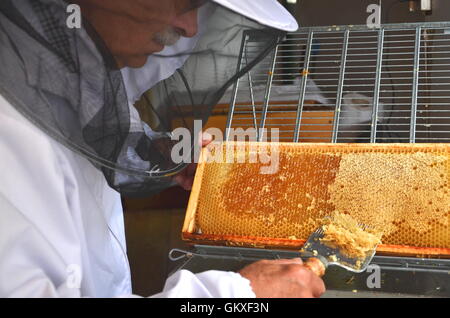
348 84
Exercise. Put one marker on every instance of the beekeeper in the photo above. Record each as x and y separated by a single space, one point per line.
72 142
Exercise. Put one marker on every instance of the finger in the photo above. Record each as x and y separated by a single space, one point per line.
288 261
206 139
191 169
187 184
315 283
307 295
184 182
318 286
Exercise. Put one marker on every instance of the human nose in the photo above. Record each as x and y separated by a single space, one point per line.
187 23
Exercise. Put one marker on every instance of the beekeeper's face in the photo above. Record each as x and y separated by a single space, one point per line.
134 29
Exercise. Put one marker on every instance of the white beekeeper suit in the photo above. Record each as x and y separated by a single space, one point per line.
62 229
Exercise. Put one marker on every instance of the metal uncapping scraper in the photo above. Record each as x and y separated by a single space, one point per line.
322 255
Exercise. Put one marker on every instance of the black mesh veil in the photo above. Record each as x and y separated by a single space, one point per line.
67 83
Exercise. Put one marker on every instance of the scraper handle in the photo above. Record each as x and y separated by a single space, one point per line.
316 266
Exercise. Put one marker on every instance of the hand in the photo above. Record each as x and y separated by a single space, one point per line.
185 178
284 278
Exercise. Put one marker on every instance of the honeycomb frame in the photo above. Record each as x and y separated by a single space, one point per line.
191 233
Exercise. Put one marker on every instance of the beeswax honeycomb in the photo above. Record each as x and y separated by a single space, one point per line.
401 189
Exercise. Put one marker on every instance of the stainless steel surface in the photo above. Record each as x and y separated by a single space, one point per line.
403 70
415 86
304 79
340 87
377 87
267 96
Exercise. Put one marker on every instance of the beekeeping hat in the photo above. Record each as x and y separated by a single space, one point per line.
67 83
267 12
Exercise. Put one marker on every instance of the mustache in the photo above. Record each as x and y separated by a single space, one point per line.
168 37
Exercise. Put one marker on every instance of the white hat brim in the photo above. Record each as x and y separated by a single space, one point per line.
267 12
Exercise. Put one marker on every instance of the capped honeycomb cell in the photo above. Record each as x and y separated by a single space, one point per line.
400 189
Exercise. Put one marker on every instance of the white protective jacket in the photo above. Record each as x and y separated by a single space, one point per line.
62 229
61 225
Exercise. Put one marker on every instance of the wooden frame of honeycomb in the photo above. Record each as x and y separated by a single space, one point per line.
399 188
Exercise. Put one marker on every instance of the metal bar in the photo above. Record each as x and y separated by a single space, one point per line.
245 38
301 99
252 97
398 45
376 94
340 87
415 86
262 123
